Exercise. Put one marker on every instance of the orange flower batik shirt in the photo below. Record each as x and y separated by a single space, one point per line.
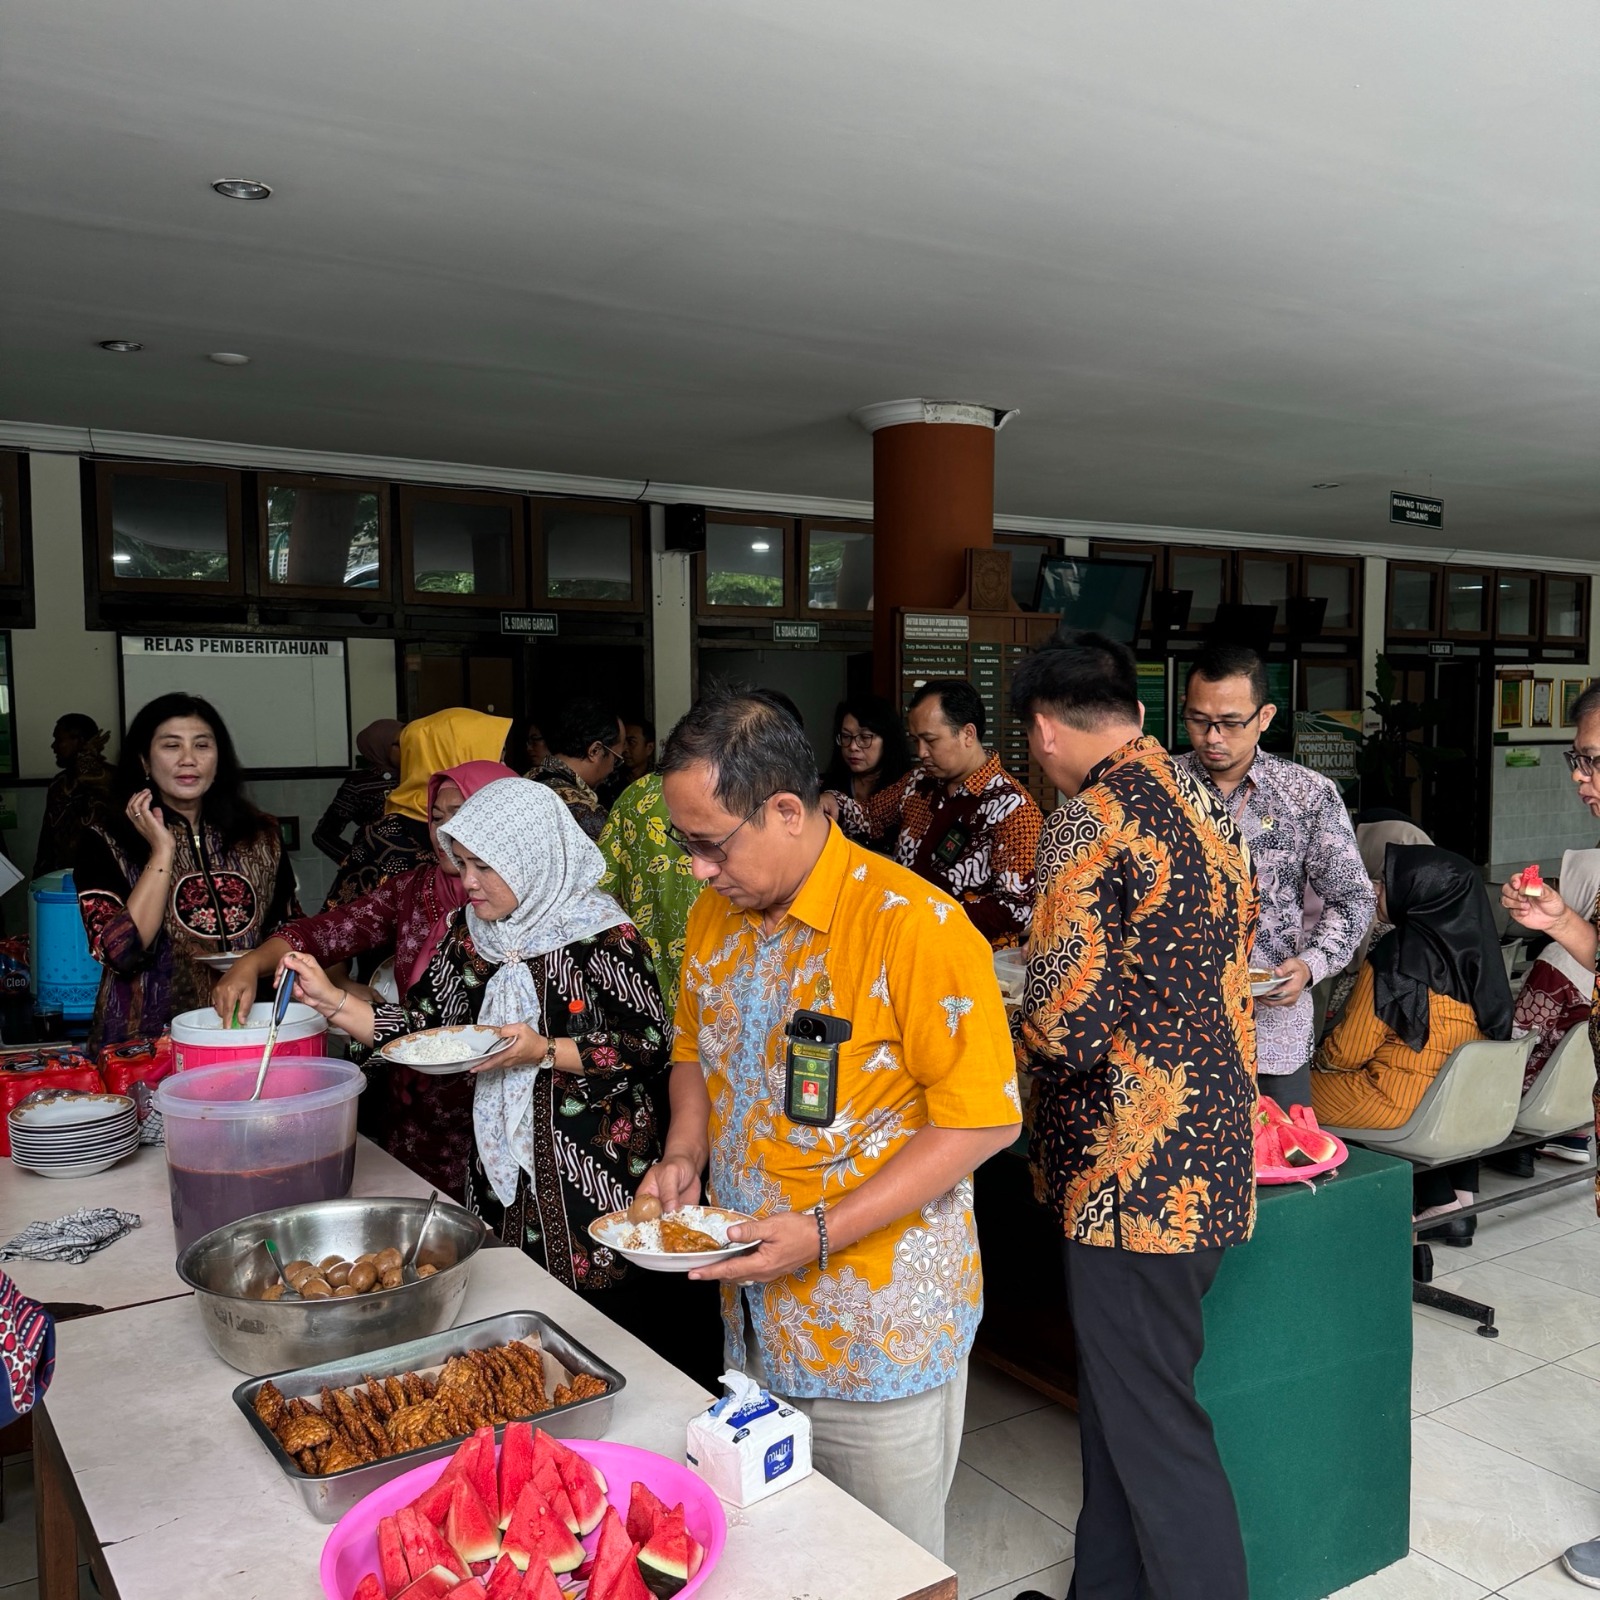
1137 1020
868 941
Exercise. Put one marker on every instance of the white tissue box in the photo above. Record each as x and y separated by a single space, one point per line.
757 1446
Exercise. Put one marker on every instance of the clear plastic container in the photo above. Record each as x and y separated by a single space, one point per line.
229 1156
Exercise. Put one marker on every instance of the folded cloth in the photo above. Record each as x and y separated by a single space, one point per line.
74 1237
27 1352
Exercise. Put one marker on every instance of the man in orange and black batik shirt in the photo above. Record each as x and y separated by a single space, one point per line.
1137 1026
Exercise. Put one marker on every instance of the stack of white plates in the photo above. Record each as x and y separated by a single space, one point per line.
73 1135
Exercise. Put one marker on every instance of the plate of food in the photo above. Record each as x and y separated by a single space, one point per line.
221 960
1263 981
691 1236
440 1051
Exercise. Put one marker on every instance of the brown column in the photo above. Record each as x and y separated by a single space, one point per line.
932 501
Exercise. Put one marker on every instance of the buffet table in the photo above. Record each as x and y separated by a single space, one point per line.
139 1267
140 1453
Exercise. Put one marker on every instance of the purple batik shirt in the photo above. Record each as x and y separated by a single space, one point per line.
1303 848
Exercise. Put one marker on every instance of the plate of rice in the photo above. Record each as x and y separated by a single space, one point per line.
439 1052
667 1244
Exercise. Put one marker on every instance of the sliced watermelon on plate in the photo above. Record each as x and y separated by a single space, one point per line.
536 1533
644 1512
472 1531
516 1465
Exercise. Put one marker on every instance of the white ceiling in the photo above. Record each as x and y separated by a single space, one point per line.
1214 253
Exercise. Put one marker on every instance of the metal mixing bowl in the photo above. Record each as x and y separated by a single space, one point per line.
227 1272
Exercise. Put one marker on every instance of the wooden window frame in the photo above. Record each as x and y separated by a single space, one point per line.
1357 568
791 542
1349 664
541 562
384 592
112 583
517 504
1535 606
1280 629
13 475
803 571
1491 593
1436 572
1191 628
1585 586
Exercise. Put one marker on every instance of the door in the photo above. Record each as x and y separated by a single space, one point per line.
1455 795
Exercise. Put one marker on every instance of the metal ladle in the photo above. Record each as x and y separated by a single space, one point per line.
280 1006
408 1267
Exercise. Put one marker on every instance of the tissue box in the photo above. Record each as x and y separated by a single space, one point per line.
756 1447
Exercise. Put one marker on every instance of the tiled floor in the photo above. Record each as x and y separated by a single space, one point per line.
1505 1447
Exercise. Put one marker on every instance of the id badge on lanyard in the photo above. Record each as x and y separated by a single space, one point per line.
811 1076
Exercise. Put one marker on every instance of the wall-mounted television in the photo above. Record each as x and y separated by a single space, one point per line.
1094 596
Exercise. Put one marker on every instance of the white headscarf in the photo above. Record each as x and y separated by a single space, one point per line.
1580 887
524 831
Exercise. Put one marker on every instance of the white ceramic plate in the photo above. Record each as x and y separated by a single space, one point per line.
1267 986
75 1111
222 960
476 1044
611 1230
73 1150
76 1169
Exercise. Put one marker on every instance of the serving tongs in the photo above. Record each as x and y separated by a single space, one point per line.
280 1007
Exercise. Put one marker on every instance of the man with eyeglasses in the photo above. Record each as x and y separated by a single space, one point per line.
1317 901
586 746
841 1059
964 822
1574 928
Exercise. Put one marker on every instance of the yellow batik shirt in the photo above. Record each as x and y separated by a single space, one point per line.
868 941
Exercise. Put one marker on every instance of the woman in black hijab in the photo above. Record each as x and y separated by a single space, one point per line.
1434 982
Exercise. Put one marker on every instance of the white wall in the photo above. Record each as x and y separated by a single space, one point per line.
374 681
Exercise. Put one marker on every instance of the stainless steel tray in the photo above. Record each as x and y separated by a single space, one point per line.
328 1497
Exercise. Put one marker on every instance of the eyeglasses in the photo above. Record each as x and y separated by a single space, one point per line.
1584 766
856 741
616 755
1204 725
713 850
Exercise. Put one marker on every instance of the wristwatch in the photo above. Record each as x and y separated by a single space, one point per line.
548 1059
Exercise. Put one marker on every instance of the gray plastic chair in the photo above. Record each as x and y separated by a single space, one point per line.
1562 1096
1470 1106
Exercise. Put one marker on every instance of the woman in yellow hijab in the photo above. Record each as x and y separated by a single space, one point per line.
398 840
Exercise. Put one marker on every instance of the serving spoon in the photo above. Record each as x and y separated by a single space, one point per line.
280 1007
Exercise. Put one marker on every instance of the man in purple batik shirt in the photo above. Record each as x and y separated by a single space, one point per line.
1302 846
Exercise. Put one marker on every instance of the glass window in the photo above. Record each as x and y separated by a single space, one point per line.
839 569
1563 607
1466 601
1335 582
461 548
1514 612
323 538
588 555
1411 599
169 529
1330 687
1205 576
1267 581
744 564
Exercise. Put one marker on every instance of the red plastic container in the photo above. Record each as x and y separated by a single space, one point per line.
199 1039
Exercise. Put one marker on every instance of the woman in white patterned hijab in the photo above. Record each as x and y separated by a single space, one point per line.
568 1119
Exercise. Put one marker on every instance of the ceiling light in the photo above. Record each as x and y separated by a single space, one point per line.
242 188
1327 486
121 347
760 546
228 358
122 560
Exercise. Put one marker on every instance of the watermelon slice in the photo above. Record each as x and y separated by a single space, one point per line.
547 1475
1531 882
1269 1114
612 1551
471 1530
540 1584
562 1453
396 1570
664 1558
1304 1138
629 1585
504 1580
370 1588
425 1546
536 1533
434 1585
644 1512
433 1504
472 1589
482 1472
516 1465
584 1489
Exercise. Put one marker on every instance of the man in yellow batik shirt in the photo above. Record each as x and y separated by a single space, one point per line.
861 1303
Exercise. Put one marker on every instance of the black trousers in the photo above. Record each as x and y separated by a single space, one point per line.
1436 1186
1158 1519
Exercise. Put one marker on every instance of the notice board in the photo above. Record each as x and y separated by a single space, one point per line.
286 701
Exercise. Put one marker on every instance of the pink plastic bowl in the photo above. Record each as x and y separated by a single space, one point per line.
352 1548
